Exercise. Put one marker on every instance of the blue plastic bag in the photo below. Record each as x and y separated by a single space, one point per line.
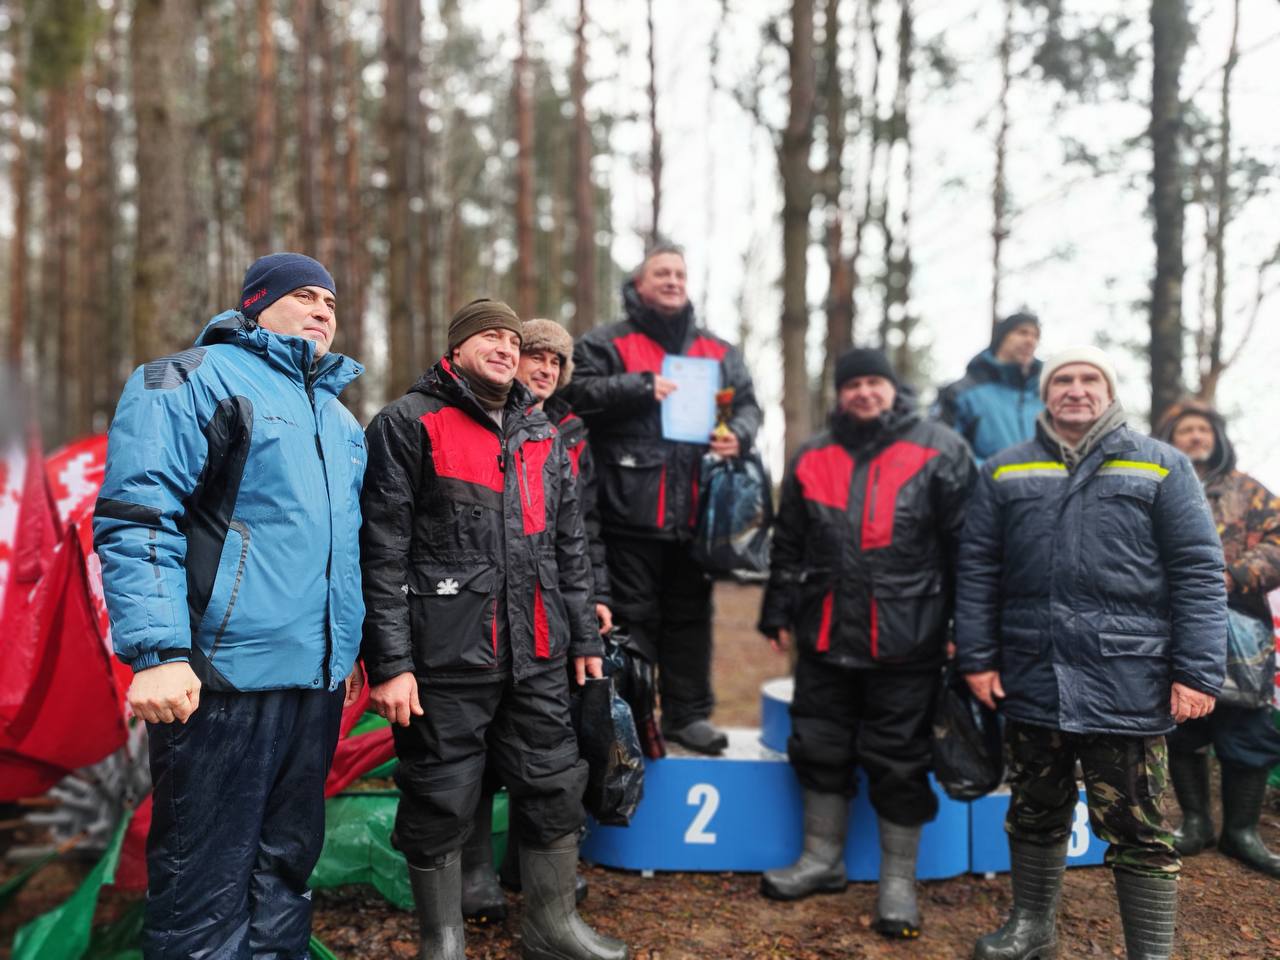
731 539
1251 665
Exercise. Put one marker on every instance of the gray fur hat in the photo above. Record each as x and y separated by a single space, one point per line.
549 335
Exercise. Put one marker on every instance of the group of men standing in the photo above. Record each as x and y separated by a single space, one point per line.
256 543
472 551
1082 571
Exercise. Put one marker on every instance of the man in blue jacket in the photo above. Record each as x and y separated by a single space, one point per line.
228 528
1090 606
996 403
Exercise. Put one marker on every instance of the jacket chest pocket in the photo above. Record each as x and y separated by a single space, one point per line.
1123 507
452 616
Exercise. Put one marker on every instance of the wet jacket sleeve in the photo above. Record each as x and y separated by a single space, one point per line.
1192 556
395 452
978 567
1256 571
588 498
577 587
786 557
600 389
746 419
156 450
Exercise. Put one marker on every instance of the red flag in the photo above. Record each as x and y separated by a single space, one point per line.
28 535
67 713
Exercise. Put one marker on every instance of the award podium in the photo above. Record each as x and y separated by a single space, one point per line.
742 811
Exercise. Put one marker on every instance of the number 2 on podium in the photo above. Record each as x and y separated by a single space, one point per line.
707 799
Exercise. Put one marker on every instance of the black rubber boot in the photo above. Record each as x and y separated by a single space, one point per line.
1243 790
437 898
482 898
509 872
1031 932
897 913
552 929
1190 775
1148 909
820 868
699 736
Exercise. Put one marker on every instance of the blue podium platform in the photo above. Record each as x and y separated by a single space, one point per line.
742 812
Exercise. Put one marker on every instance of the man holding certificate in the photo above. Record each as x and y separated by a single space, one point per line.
646 388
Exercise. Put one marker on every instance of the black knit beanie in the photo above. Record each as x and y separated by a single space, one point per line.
860 362
1009 324
271 277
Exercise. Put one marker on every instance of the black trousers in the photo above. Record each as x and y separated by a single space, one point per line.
237 824
523 729
664 599
1246 738
877 718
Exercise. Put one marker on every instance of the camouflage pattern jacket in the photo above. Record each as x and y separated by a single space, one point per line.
1245 512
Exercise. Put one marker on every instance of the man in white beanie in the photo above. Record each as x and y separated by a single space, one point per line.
1090 608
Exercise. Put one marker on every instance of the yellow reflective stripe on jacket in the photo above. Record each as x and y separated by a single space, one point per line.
1133 468
1037 468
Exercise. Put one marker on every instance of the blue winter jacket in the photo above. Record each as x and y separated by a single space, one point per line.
993 406
1092 591
228 521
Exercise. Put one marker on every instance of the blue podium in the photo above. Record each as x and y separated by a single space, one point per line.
742 811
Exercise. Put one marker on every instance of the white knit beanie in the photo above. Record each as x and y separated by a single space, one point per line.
1082 354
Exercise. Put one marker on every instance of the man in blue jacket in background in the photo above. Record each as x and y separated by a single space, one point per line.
995 404
228 529
1090 605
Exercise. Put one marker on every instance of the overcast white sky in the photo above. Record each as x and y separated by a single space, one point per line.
721 194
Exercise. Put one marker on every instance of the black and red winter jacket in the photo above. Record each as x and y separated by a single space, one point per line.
865 541
573 432
648 486
472 547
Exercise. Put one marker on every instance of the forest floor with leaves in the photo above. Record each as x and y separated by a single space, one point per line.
1225 911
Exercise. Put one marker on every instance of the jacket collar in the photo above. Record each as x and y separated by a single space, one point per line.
985 368
443 381
292 356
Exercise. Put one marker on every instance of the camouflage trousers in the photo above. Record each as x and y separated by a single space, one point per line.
1126 779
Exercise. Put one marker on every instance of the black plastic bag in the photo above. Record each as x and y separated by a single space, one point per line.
1251 662
633 680
967 756
735 511
607 741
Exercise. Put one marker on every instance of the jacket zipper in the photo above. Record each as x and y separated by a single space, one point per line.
524 474
326 674
875 489
240 528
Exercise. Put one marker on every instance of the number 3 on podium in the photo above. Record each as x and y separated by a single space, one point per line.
707 799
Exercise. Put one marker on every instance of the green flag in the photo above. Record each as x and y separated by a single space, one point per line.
63 933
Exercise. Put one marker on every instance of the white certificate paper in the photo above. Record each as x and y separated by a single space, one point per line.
689 412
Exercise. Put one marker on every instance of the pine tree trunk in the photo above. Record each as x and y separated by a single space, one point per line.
352 255
259 220
304 25
797 192
54 265
584 206
396 113
839 283
21 205
526 282
655 136
1169 41
999 184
